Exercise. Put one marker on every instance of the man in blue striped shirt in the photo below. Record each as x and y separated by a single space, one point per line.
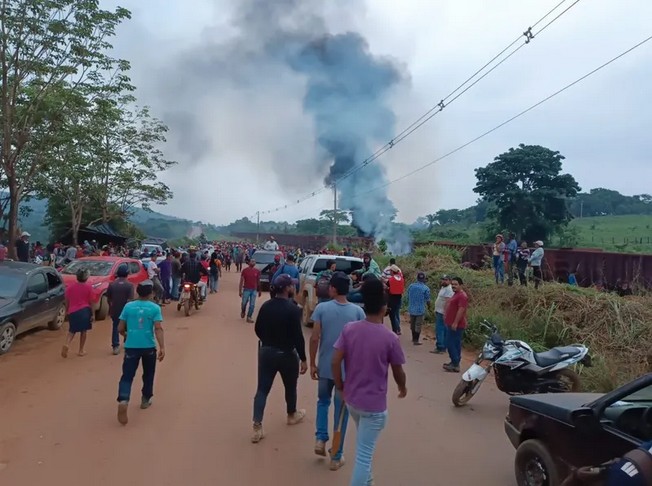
418 295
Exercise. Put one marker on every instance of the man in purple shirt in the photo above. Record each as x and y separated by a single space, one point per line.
367 349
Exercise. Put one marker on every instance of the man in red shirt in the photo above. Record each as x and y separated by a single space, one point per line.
249 287
455 320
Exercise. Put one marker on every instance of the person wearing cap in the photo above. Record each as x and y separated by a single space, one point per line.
444 295
535 262
141 324
79 296
282 349
396 287
329 319
388 269
271 244
119 292
498 249
22 247
418 295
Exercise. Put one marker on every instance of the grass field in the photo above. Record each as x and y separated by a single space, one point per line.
631 234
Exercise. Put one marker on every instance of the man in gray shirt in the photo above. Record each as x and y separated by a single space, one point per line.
330 318
120 292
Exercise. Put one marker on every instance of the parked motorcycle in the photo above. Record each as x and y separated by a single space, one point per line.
519 370
189 298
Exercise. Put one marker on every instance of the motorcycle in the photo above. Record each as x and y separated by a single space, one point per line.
189 298
521 371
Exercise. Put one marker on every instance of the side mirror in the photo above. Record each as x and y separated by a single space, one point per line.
31 296
586 422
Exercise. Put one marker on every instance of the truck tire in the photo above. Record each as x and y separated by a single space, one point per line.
534 465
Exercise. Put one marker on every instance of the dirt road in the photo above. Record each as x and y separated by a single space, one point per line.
58 417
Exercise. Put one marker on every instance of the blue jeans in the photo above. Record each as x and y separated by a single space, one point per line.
250 297
454 342
440 332
324 394
115 336
133 356
212 282
369 425
499 269
174 291
355 297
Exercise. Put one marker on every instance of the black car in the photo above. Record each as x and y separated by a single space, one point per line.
30 296
264 262
553 432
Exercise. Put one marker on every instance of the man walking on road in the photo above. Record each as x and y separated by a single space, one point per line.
289 268
153 272
249 287
418 298
141 323
282 349
444 295
120 292
455 319
329 319
368 349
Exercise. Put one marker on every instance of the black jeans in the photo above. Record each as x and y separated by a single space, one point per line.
394 303
133 356
270 362
538 276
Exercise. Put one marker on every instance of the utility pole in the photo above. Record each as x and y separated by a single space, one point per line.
334 214
581 208
257 226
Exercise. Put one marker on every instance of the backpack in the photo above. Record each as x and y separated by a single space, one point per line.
633 469
322 285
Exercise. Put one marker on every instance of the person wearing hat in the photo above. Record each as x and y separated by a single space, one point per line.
444 295
79 296
535 262
329 319
498 250
271 244
119 292
22 247
289 268
141 324
282 349
418 295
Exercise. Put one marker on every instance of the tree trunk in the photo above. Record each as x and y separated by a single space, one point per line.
76 223
14 200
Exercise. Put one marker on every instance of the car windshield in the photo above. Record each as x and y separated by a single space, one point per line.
96 268
642 395
10 286
261 257
346 266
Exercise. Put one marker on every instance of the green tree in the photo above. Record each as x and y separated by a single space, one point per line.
432 220
528 190
332 215
310 226
44 45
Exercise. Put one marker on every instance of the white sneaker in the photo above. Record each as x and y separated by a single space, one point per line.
296 417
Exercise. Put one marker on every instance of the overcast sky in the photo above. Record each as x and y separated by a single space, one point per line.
243 148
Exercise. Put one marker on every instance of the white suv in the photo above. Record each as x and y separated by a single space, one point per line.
309 267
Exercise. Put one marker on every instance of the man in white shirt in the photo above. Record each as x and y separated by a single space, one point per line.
271 245
153 274
444 295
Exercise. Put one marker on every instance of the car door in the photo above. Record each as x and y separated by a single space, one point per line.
136 273
303 272
35 301
56 293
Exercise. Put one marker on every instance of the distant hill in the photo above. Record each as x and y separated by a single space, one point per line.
151 223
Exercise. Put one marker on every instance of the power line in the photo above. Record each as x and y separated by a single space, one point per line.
447 100
497 127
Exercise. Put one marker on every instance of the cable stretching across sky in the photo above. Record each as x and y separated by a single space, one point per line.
525 38
518 115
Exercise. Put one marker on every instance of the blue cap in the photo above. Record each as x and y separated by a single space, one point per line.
283 281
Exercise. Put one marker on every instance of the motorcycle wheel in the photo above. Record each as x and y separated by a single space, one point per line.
464 391
569 381
186 308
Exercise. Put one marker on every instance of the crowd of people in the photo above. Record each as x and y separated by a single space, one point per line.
517 261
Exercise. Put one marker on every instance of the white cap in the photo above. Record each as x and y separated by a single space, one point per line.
25 233
538 243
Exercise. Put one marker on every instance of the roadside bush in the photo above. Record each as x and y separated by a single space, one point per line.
617 330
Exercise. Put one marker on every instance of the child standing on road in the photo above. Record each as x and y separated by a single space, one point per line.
140 322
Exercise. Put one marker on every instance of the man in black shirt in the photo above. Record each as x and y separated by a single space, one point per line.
22 247
192 270
282 346
120 292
